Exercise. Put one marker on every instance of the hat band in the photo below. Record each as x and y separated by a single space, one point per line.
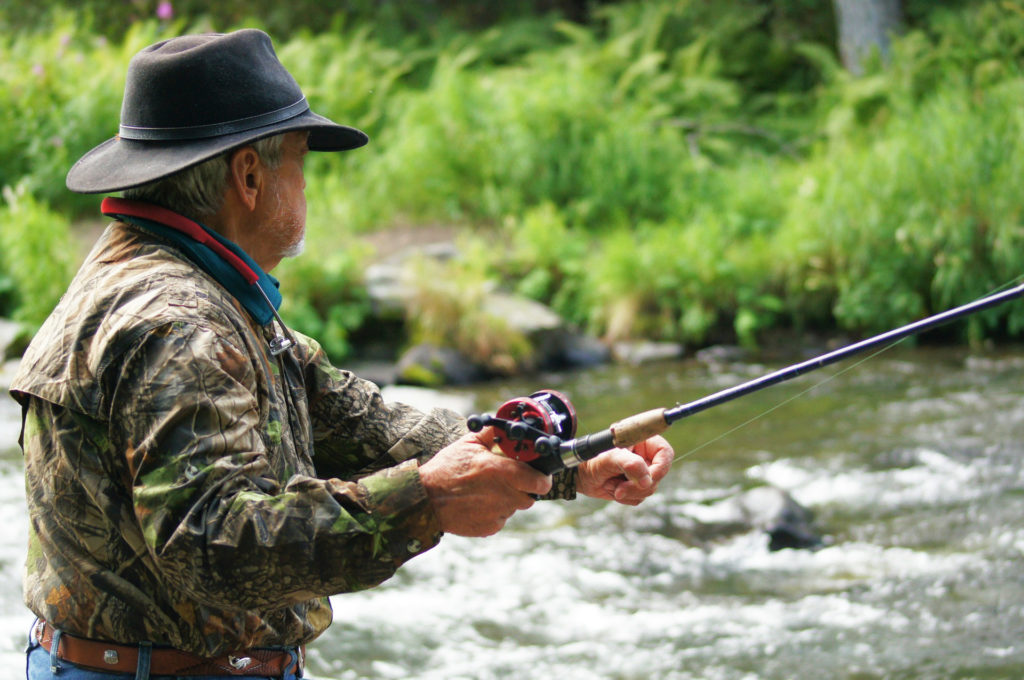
177 134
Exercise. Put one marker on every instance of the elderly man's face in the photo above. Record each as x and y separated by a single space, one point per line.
285 223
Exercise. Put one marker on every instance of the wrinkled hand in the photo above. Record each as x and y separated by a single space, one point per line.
627 476
474 491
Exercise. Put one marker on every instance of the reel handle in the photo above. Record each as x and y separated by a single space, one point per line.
531 429
547 448
477 422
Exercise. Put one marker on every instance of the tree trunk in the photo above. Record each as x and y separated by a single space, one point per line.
864 26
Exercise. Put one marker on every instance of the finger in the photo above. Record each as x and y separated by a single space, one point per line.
621 490
661 464
633 491
628 493
612 484
632 466
623 480
485 437
524 501
521 477
659 455
489 528
616 467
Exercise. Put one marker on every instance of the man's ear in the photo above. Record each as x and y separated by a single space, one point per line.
245 175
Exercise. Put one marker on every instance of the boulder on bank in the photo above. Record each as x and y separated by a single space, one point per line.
551 348
552 343
555 344
387 282
640 352
430 366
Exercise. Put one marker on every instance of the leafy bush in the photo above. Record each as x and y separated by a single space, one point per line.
35 255
324 297
486 147
544 258
674 169
395 19
64 89
924 217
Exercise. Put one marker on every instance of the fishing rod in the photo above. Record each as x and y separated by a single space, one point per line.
541 429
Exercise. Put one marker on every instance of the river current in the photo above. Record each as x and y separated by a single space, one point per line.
912 463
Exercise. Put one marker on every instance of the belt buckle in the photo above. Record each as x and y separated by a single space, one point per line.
239 663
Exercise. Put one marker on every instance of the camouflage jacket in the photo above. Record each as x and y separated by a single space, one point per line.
186 487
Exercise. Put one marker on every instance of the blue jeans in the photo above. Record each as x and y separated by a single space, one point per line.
41 662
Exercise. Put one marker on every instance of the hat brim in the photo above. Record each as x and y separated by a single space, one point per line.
118 164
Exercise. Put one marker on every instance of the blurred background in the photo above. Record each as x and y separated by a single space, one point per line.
735 184
766 165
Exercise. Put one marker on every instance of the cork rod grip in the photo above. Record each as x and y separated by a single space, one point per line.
635 429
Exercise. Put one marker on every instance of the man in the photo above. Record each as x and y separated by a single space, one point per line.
200 479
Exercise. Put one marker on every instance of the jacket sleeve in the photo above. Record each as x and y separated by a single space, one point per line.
226 520
355 431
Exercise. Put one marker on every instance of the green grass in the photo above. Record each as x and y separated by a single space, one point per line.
671 170
36 255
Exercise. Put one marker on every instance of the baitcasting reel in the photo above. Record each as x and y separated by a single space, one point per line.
531 428
541 430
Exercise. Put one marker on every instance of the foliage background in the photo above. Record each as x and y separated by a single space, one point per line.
671 169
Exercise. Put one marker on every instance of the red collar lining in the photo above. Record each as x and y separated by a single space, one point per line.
112 207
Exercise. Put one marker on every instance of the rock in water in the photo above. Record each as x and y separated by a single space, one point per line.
775 512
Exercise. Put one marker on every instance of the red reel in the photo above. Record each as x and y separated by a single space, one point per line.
542 414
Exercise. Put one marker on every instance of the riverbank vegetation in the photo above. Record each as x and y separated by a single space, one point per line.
667 169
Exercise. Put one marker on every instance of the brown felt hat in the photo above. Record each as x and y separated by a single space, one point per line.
191 98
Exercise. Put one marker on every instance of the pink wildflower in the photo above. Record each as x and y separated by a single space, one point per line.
164 10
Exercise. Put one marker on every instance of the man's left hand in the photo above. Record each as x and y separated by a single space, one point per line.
627 476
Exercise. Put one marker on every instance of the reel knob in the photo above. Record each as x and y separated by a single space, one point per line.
518 430
476 423
546 417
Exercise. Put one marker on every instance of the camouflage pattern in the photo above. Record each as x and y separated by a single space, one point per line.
187 488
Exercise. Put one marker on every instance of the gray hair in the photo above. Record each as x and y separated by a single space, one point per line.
198 192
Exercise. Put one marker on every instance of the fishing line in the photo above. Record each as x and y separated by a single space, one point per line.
815 386
782 403
541 429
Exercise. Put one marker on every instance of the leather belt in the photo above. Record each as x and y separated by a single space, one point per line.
112 657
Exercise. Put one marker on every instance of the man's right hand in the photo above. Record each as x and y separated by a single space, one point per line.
474 490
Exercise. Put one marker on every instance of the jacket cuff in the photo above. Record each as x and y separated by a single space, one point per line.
563 485
408 523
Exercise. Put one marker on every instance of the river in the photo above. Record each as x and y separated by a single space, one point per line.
912 462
